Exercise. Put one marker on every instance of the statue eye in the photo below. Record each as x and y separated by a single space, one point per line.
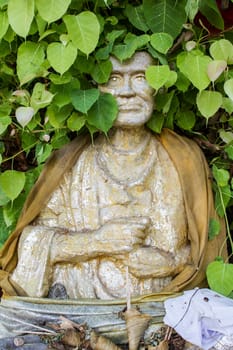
140 77
114 79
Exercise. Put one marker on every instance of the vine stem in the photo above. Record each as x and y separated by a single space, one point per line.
23 150
227 223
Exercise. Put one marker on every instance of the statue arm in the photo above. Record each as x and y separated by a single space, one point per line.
114 238
151 262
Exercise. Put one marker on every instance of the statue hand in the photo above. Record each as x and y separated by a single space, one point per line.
146 262
123 235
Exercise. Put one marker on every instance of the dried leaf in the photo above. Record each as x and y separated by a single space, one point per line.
71 337
68 324
98 342
136 324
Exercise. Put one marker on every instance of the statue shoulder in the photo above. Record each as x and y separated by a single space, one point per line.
179 146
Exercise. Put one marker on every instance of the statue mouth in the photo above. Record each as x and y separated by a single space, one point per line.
129 107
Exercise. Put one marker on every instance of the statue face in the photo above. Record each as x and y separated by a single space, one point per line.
131 90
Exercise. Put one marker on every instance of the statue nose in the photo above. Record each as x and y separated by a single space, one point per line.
126 89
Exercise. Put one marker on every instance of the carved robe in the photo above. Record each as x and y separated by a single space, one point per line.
149 193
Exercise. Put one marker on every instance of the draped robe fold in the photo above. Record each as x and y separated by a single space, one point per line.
195 182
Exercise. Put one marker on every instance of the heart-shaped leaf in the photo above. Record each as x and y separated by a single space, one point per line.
194 66
102 71
61 57
103 113
215 69
52 10
228 88
221 176
83 30
40 97
3 23
12 183
222 50
20 14
219 276
5 121
24 115
161 42
208 102
76 121
82 100
157 76
30 59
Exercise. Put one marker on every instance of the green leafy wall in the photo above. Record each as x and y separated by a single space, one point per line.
54 53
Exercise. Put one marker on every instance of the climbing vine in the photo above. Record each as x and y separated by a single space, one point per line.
53 54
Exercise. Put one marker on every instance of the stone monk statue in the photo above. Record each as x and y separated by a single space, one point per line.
134 203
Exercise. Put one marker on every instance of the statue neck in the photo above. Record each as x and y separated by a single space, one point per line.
124 139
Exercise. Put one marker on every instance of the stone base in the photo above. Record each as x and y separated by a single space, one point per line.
20 316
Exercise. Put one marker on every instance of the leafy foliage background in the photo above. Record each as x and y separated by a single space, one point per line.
54 53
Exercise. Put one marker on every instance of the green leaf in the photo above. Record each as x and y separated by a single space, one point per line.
52 10
40 97
102 71
191 9
155 123
83 30
83 100
61 57
5 121
221 176
60 79
222 198
167 16
228 88
5 109
161 42
185 119
20 15
209 102
63 92
114 34
227 104
138 41
3 197
157 76
29 61
3 3
43 151
215 69
194 67
182 83
229 151
210 10
222 50
226 136
171 79
5 231
3 23
76 121
123 51
59 139
57 116
214 228
219 276
136 16
12 183
132 43
46 33
163 101
103 113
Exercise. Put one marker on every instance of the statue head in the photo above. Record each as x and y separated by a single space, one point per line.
128 85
